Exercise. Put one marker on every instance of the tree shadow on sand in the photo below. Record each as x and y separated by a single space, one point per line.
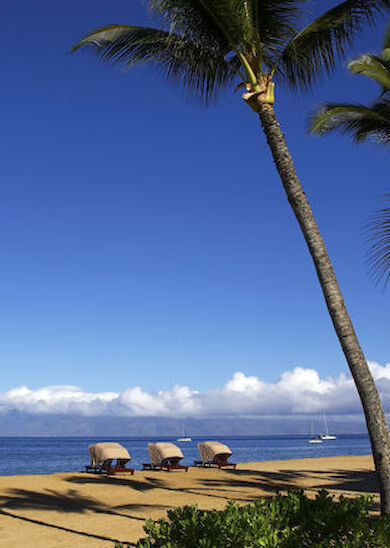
119 481
359 481
252 484
65 529
72 501
50 500
249 485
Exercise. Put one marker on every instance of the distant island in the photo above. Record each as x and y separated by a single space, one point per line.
16 423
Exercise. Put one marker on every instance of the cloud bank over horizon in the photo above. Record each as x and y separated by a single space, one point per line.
298 391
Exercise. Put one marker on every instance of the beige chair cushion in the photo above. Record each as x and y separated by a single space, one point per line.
99 452
163 450
210 449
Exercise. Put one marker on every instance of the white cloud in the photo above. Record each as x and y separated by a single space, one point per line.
298 391
378 371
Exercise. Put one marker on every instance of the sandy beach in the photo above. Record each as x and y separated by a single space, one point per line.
77 510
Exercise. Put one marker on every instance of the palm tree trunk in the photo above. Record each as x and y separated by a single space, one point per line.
375 417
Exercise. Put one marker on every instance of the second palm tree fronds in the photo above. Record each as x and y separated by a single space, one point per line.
362 123
378 240
206 45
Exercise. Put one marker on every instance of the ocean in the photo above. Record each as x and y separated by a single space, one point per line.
50 455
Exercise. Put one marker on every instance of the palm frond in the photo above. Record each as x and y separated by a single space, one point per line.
386 38
374 67
224 20
314 50
275 23
201 67
378 241
360 121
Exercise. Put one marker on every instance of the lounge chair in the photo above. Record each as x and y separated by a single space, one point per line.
164 456
103 455
214 453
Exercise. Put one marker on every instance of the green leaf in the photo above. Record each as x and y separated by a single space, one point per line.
196 65
360 121
373 67
378 240
314 50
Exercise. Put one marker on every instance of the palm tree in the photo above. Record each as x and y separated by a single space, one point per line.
362 123
206 45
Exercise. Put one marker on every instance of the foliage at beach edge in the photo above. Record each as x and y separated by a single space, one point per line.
283 521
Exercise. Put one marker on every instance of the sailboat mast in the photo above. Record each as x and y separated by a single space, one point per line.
326 426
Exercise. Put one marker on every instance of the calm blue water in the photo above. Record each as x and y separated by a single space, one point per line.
48 455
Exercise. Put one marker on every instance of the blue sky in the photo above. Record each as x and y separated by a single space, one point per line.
147 241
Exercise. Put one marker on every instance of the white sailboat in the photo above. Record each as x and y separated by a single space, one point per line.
327 436
184 437
314 439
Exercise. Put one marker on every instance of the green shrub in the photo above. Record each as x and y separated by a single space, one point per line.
291 521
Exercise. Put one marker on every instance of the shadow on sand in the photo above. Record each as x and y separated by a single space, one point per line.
49 500
242 485
248 485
